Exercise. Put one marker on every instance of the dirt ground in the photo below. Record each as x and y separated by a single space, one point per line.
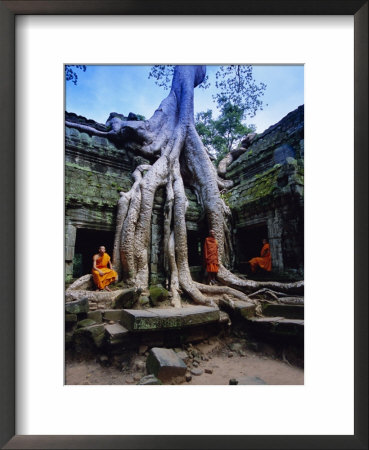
226 358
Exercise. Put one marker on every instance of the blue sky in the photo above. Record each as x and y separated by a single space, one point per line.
123 89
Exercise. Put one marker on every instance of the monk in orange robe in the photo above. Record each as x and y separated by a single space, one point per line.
102 270
264 261
211 257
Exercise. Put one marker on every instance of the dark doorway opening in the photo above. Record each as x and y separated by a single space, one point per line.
87 245
194 248
249 243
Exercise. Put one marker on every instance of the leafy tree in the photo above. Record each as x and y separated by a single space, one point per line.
224 133
237 86
71 75
163 75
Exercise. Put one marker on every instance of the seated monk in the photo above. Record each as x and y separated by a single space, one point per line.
102 270
211 257
264 261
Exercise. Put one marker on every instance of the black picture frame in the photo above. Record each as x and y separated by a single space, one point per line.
8 12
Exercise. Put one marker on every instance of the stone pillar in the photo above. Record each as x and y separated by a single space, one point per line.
275 239
156 253
70 241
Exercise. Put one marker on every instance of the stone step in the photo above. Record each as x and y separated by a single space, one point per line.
244 309
112 314
116 333
241 308
287 311
165 319
276 326
278 320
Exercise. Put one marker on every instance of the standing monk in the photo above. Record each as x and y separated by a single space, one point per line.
264 261
211 257
102 270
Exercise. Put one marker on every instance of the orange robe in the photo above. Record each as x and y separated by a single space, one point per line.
109 276
211 254
264 261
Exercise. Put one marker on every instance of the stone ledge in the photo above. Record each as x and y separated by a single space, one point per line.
161 319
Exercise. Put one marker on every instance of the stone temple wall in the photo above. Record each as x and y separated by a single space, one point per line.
267 198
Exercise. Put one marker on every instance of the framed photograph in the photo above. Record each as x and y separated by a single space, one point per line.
40 409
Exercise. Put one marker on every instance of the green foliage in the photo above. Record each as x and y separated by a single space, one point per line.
237 86
226 196
140 117
71 75
163 74
224 133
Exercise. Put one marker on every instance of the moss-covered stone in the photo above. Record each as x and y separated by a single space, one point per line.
260 186
90 187
158 294
85 323
77 306
70 318
95 315
144 300
88 338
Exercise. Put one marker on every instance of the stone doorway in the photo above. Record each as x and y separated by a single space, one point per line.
249 243
194 245
87 244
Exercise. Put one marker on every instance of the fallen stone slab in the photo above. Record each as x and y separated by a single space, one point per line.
149 379
161 319
183 355
197 371
165 364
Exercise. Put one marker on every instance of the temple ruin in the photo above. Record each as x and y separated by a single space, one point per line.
266 200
